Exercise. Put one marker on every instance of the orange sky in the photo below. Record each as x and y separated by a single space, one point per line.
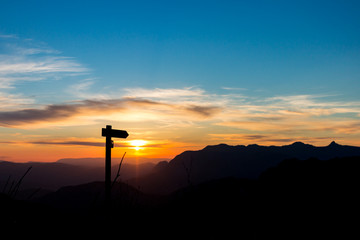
34 144
172 121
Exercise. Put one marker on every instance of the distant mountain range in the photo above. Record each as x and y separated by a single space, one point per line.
188 168
252 192
219 161
99 162
53 175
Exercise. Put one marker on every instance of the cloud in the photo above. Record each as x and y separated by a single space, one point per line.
292 116
65 142
255 125
81 89
71 143
204 111
312 105
169 110
283 117
234 89
47 114
249 115
129 107
266 138
84 142
58 112
301 126
193 101
141 102
295 100
15 65
35 50
9 36
27 60
171 93
9 101
251 138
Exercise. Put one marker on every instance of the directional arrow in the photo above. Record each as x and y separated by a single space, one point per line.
114 133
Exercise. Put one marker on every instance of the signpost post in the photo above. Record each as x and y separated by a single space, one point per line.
108 132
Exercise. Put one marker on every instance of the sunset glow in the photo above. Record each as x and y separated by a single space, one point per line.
137 144
176 80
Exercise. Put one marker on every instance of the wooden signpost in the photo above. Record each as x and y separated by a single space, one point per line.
108 132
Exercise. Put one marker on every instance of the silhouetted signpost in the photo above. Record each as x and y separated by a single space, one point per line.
108 132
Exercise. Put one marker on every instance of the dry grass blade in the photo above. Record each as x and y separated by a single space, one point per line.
118 172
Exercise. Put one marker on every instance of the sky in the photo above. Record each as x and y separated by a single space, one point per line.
177 75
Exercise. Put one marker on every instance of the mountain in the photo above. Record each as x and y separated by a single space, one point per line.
296 199
219 161
99 162
91 195
309 199
188 168
45 175
53 175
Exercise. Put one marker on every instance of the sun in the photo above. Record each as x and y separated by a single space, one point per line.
137 144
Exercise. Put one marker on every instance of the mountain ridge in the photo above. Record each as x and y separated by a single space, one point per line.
222 160
53 175
99 162
187 168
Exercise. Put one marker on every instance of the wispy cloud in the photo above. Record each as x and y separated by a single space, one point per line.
10 101
264 138
294 115
159 93
64 142
71 143
11 65
205 111
233 89
250 138
57 112
312 104
9 36
84 89
86 142
25 60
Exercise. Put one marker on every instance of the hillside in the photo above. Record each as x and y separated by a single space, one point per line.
219 161
51 176
296 199
188 168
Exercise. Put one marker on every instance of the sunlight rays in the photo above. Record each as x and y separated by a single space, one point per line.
138 144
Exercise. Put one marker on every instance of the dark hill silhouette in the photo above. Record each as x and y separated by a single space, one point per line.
91 195
99 162
219 161
295 199
45 175
309 198
79 210
51 176
188 168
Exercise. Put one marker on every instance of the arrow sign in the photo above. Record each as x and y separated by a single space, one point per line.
108 132
114 133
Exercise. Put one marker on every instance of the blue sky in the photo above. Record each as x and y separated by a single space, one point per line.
313 45
212 57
